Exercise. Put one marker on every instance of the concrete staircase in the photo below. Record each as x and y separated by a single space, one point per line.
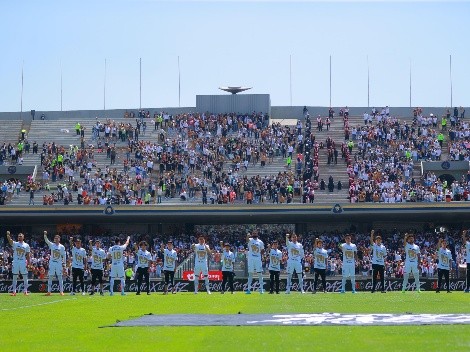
10 132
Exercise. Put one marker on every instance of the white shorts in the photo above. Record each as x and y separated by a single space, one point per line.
19 268
294 265
255 266
55 269
349 270
201 268
411 268
117 271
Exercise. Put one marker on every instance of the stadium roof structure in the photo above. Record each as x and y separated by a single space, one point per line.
234 90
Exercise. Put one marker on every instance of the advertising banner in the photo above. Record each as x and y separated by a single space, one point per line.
240 284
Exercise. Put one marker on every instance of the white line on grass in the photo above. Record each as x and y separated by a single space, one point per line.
37 305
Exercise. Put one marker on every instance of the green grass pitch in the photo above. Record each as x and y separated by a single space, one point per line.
72 323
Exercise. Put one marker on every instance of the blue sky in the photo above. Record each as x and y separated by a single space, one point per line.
232 43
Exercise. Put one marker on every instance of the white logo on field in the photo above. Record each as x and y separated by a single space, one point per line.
363 319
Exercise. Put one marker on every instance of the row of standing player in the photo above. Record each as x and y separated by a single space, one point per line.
320 256
58 260
202 252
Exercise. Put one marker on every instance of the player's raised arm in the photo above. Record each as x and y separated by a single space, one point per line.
287 239
406 238
248 237
372 237
47 239
71 242
127 241
208 250
10 240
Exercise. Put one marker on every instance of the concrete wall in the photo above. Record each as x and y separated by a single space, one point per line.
295 112
454 168
238 103
20 172
88 114
277 112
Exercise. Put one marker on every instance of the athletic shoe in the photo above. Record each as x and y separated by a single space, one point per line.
83 293
26 293
354 291
449 291
137 294
277 292
101 293
403 291
418 290
13 294
314 291
437 291
48 294
342 291
195 292
271 292
148 293
222 292
261 292
111 293
123 294
92 293
383 291
287 292
324 291
61 293
372 291
208 292
302 291
248 292
467 291
72 293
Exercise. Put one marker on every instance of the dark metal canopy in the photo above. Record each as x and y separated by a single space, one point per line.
234 90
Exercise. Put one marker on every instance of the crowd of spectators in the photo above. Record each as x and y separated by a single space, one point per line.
384 150
205 157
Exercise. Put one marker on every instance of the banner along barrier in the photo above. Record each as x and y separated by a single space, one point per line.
240 284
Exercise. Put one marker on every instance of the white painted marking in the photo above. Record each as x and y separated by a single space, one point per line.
37 305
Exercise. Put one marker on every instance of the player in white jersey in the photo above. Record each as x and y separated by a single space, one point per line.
349 263
320 257
255 265
116 255
412 253
144 260
466 243
444 264
169 266
227 259
21 256
275 258
57 263
79 264
98 257
295 252
201 254
379 253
